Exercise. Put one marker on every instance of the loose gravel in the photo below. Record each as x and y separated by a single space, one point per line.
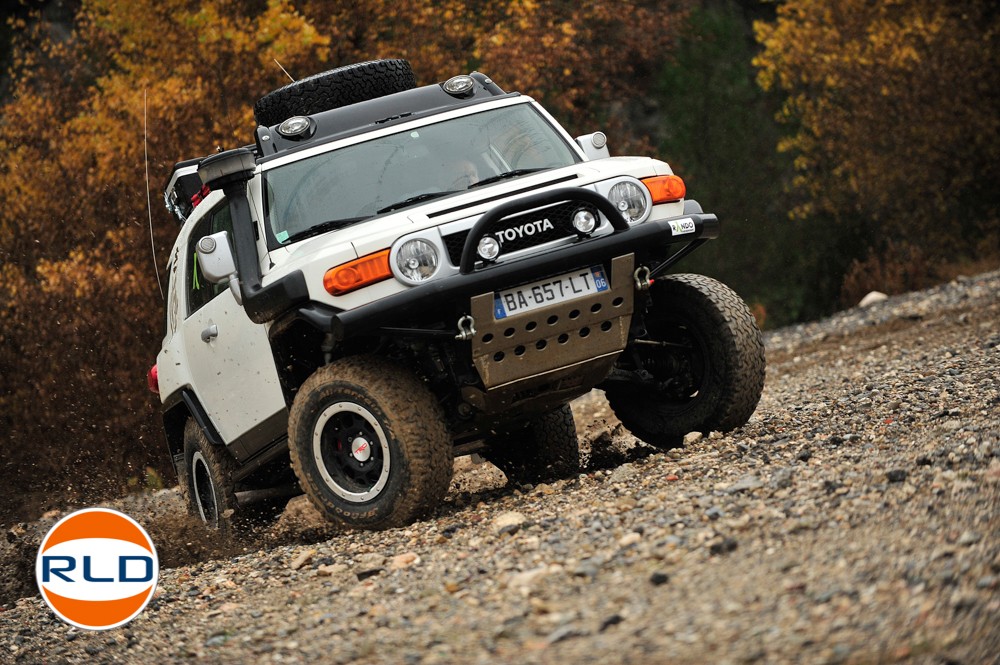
853 520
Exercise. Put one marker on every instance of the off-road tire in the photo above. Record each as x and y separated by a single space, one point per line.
206 482
413 440
727 352
334 88
547 449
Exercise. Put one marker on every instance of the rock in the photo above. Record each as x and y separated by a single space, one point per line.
968 538
630 538
589 567
508 523
370 560
330 570
612 620
782 478
714 513
658 578
873 298
404 560
524 582
896 475
302 559
722 546
747 483
692 437
622 473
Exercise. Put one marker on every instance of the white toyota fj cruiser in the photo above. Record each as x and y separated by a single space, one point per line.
394 275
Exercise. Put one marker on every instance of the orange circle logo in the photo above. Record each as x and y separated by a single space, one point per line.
97 569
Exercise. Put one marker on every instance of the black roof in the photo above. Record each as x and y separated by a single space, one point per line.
342 122
379 112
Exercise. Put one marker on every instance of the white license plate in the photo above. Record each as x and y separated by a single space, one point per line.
549 291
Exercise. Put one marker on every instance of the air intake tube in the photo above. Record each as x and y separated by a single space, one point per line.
230 171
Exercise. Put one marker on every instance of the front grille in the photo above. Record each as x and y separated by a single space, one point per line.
525 230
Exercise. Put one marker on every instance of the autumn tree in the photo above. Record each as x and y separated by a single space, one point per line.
895 117
80 311
79 304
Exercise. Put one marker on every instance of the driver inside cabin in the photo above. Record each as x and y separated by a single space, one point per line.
468 175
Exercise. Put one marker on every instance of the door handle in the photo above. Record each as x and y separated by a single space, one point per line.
210 333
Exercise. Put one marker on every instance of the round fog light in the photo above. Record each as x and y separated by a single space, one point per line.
488 248
584 221
459 85
294 126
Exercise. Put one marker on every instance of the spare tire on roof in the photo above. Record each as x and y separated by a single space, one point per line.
335 88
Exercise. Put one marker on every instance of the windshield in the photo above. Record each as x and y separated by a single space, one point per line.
344 186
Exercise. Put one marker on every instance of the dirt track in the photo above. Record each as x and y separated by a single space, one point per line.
856 519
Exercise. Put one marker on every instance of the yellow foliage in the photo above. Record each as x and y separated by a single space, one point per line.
895 109
80 320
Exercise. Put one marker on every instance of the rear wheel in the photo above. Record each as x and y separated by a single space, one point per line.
369 444
546 449
699 367
207 483
335 88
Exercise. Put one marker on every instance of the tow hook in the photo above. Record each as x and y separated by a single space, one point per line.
641 277
466 328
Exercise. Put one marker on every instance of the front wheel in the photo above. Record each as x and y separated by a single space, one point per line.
368 443
699 367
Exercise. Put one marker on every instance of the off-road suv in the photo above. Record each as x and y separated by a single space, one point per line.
393 275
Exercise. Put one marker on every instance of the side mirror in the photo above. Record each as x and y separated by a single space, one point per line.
595 145
215 258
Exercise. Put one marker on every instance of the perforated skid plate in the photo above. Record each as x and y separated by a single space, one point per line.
536 344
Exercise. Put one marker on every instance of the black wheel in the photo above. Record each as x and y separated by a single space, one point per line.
546 449
699 367
335 88
368 443
207 482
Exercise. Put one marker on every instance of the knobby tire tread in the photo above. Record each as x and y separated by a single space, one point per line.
333 89
413 418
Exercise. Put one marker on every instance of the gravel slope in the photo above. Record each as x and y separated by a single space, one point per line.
856 519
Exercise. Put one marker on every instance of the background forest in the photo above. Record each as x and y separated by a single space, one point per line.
847 145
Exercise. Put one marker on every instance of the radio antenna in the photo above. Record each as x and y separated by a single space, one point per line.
283 69
149 203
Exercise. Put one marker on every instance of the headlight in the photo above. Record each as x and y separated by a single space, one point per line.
629 199
488 248
417 260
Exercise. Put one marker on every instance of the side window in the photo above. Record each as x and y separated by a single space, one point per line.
200 290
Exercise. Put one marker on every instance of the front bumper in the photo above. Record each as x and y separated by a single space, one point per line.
649 242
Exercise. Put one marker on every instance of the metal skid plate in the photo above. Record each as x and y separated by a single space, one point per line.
523 350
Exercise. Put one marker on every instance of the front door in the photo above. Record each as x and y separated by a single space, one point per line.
230 361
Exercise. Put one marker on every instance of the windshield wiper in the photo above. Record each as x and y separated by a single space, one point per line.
323 227
504 176
427 196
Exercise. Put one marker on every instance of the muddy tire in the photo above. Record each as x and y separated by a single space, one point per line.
207 483
368 443
546 449
704 356
335 88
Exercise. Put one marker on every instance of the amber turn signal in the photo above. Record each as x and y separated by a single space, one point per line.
665 188
358 273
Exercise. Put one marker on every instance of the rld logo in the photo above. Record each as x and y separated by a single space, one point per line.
97 568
